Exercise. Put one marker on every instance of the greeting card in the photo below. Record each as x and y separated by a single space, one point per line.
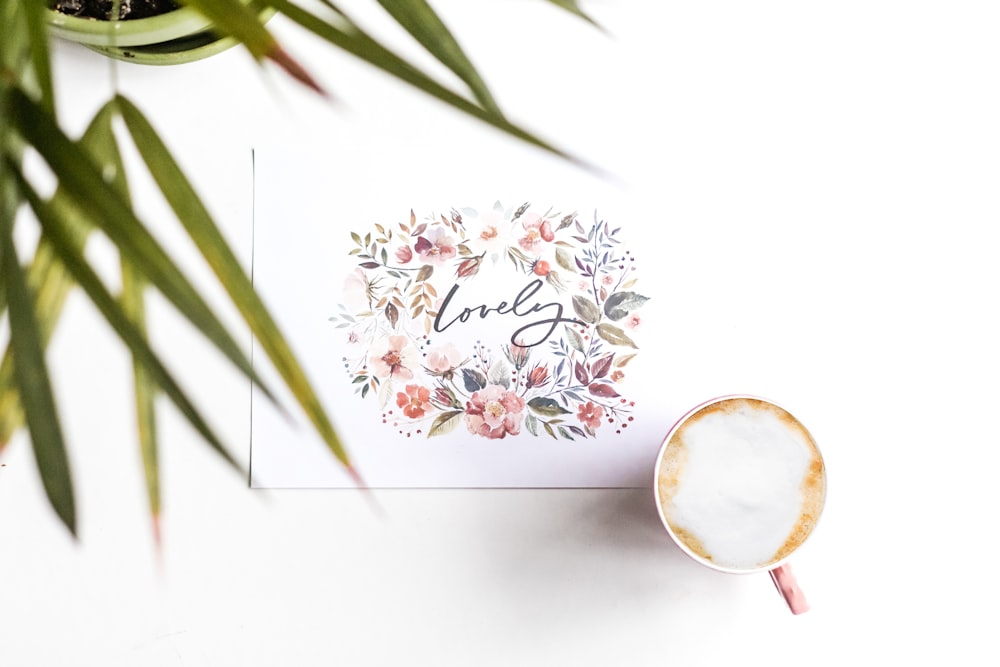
463 328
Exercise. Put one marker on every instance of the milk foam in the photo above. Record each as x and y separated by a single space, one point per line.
734 481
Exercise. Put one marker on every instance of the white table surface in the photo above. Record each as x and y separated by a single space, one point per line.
867 131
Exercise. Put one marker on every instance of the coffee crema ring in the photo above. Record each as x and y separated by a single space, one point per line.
740 483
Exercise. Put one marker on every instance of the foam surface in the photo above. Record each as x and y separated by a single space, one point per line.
741 483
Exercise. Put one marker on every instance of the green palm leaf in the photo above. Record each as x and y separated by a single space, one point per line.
357 42
241 21
209 240
56 233
134 308
48 279
101 142
82 180
573 7
33 384
422 22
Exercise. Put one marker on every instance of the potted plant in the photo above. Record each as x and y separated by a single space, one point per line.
92 197
150 32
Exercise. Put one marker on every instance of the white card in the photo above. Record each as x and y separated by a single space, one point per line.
481 323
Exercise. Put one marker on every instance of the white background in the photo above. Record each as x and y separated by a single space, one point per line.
837 161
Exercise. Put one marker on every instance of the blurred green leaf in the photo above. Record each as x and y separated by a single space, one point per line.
33 384
352 39
237 19
422 22
48 279
134 307
209 240
82 180
56 232
103 145
241 21
24 49
41 65
573 7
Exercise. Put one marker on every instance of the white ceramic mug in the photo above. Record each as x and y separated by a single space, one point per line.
739 484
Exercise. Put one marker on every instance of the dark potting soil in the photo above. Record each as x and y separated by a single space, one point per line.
102 9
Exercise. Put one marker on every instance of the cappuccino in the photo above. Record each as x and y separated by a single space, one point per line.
740 483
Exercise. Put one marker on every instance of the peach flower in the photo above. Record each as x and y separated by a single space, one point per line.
415 401
393 357
590 414
537 230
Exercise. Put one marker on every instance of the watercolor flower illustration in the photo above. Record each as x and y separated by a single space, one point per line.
393 357
537 231
590 414
443 358
404 254
494 412
490 232
415 401
559 375
437 247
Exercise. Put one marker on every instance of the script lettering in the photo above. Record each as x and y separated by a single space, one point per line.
521 307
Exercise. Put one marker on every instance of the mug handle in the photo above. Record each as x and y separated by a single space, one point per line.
789 589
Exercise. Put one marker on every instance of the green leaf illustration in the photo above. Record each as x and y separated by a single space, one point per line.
575 340
623 360
546 407
586 310
445 423
392 314
425 272
620 304
615 336
500 374
531 423
473 379
565 259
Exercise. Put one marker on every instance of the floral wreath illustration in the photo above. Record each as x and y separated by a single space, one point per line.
564 383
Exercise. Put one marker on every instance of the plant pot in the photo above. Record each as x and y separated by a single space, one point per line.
179 36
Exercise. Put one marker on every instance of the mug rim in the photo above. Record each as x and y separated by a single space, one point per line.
659 506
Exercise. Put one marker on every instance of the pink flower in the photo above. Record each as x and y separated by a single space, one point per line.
537 230
393 357
494 412
445 398
538 377
443 358
404 254
590 414
436 247
618 376
607 279
633 321
469 267
414 401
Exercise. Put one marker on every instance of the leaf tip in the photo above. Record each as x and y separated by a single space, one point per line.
157 534
362 486
295 70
